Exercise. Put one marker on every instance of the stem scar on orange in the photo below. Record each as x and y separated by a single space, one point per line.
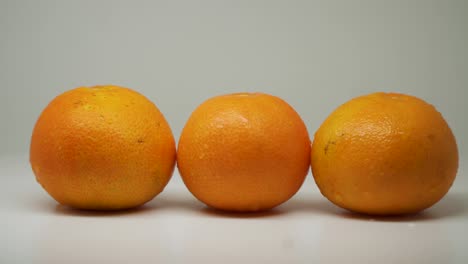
384 154
102 148
244 152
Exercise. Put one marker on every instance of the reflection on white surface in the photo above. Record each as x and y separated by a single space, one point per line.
374 242
175 228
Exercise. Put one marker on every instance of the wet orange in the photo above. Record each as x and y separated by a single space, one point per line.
244 152
384 154
102 148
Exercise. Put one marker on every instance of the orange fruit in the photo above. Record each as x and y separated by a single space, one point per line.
244 152
384 154
103 147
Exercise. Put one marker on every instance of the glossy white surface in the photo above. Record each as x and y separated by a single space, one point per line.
175 228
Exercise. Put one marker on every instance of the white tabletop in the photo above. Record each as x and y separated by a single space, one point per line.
176 228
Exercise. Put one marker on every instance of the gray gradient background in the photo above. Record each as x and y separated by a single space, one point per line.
314 54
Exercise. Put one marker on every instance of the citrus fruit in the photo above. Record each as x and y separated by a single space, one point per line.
384 154
244 152
102 148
